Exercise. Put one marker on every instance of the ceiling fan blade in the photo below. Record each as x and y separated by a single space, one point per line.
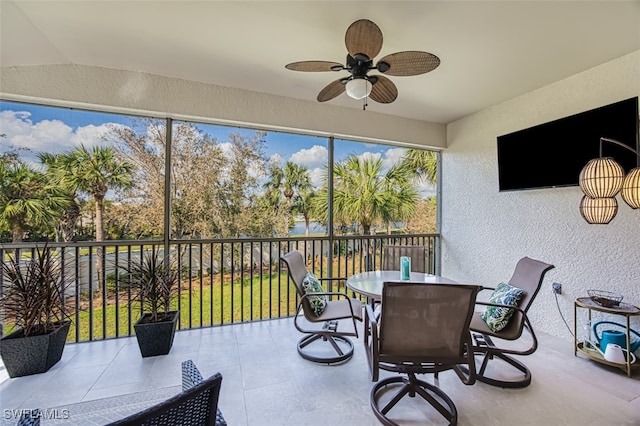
363 36
312 66
331 90
410 63
384 91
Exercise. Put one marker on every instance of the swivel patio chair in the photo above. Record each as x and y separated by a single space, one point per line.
392 254
424 328
319 306
528 276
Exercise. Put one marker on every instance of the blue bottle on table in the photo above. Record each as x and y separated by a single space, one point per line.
405 268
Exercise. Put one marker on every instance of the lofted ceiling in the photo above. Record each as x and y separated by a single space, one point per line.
491 51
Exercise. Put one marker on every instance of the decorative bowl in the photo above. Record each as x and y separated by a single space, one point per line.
605 298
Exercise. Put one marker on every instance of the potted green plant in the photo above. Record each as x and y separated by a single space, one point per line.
33 301
154 282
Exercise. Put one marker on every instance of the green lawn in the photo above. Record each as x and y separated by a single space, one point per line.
252 298
209 305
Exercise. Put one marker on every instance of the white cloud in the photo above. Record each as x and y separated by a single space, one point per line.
426 189
373 156
315 156
52 136
317 176
393 156
390 157
276 159
14 122
227 149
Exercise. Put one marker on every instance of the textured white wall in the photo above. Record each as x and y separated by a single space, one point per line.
485 231
135 92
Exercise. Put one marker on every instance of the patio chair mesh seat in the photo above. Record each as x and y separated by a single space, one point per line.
423 328
339 307
527 276
392 254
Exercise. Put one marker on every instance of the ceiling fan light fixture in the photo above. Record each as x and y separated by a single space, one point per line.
358 88
363 40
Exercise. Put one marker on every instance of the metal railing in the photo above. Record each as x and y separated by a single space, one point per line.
221 281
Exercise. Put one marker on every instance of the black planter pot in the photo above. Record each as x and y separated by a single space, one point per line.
23 356
156 338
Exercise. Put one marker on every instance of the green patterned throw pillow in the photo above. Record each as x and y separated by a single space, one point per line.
497 317
310 284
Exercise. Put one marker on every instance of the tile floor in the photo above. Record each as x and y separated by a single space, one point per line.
266 383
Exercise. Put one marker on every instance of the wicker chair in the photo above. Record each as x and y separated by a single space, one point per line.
197 405
342 307
190 377
30 418
528 276
424 328
392 254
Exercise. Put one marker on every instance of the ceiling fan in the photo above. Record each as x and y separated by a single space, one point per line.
364 41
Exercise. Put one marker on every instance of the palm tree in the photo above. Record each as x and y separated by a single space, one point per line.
273 186
295 178
423 164
94 171
27 197
57 168
363 194
403 197
289 181
303 203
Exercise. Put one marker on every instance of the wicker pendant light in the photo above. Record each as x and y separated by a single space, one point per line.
601 178
598 210
631 188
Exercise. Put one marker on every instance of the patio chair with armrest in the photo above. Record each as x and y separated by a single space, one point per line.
338 306
392 254
528 276
423 328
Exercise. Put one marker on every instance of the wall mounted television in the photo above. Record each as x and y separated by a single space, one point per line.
552 154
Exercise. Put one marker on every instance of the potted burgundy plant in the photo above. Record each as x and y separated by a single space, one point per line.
34 306
154 283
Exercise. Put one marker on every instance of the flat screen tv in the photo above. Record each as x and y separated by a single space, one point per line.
552 154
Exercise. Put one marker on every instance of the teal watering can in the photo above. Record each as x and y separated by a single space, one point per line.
617 337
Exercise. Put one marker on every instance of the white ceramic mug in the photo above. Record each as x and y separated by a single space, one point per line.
615 353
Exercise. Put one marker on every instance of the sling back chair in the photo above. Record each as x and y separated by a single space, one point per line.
423 328
392 254
337 306
528 276
197 405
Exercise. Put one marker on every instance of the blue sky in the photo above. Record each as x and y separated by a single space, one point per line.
53 129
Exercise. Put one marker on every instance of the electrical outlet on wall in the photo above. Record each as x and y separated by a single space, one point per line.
557 288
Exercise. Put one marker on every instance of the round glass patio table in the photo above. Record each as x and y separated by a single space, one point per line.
370 283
